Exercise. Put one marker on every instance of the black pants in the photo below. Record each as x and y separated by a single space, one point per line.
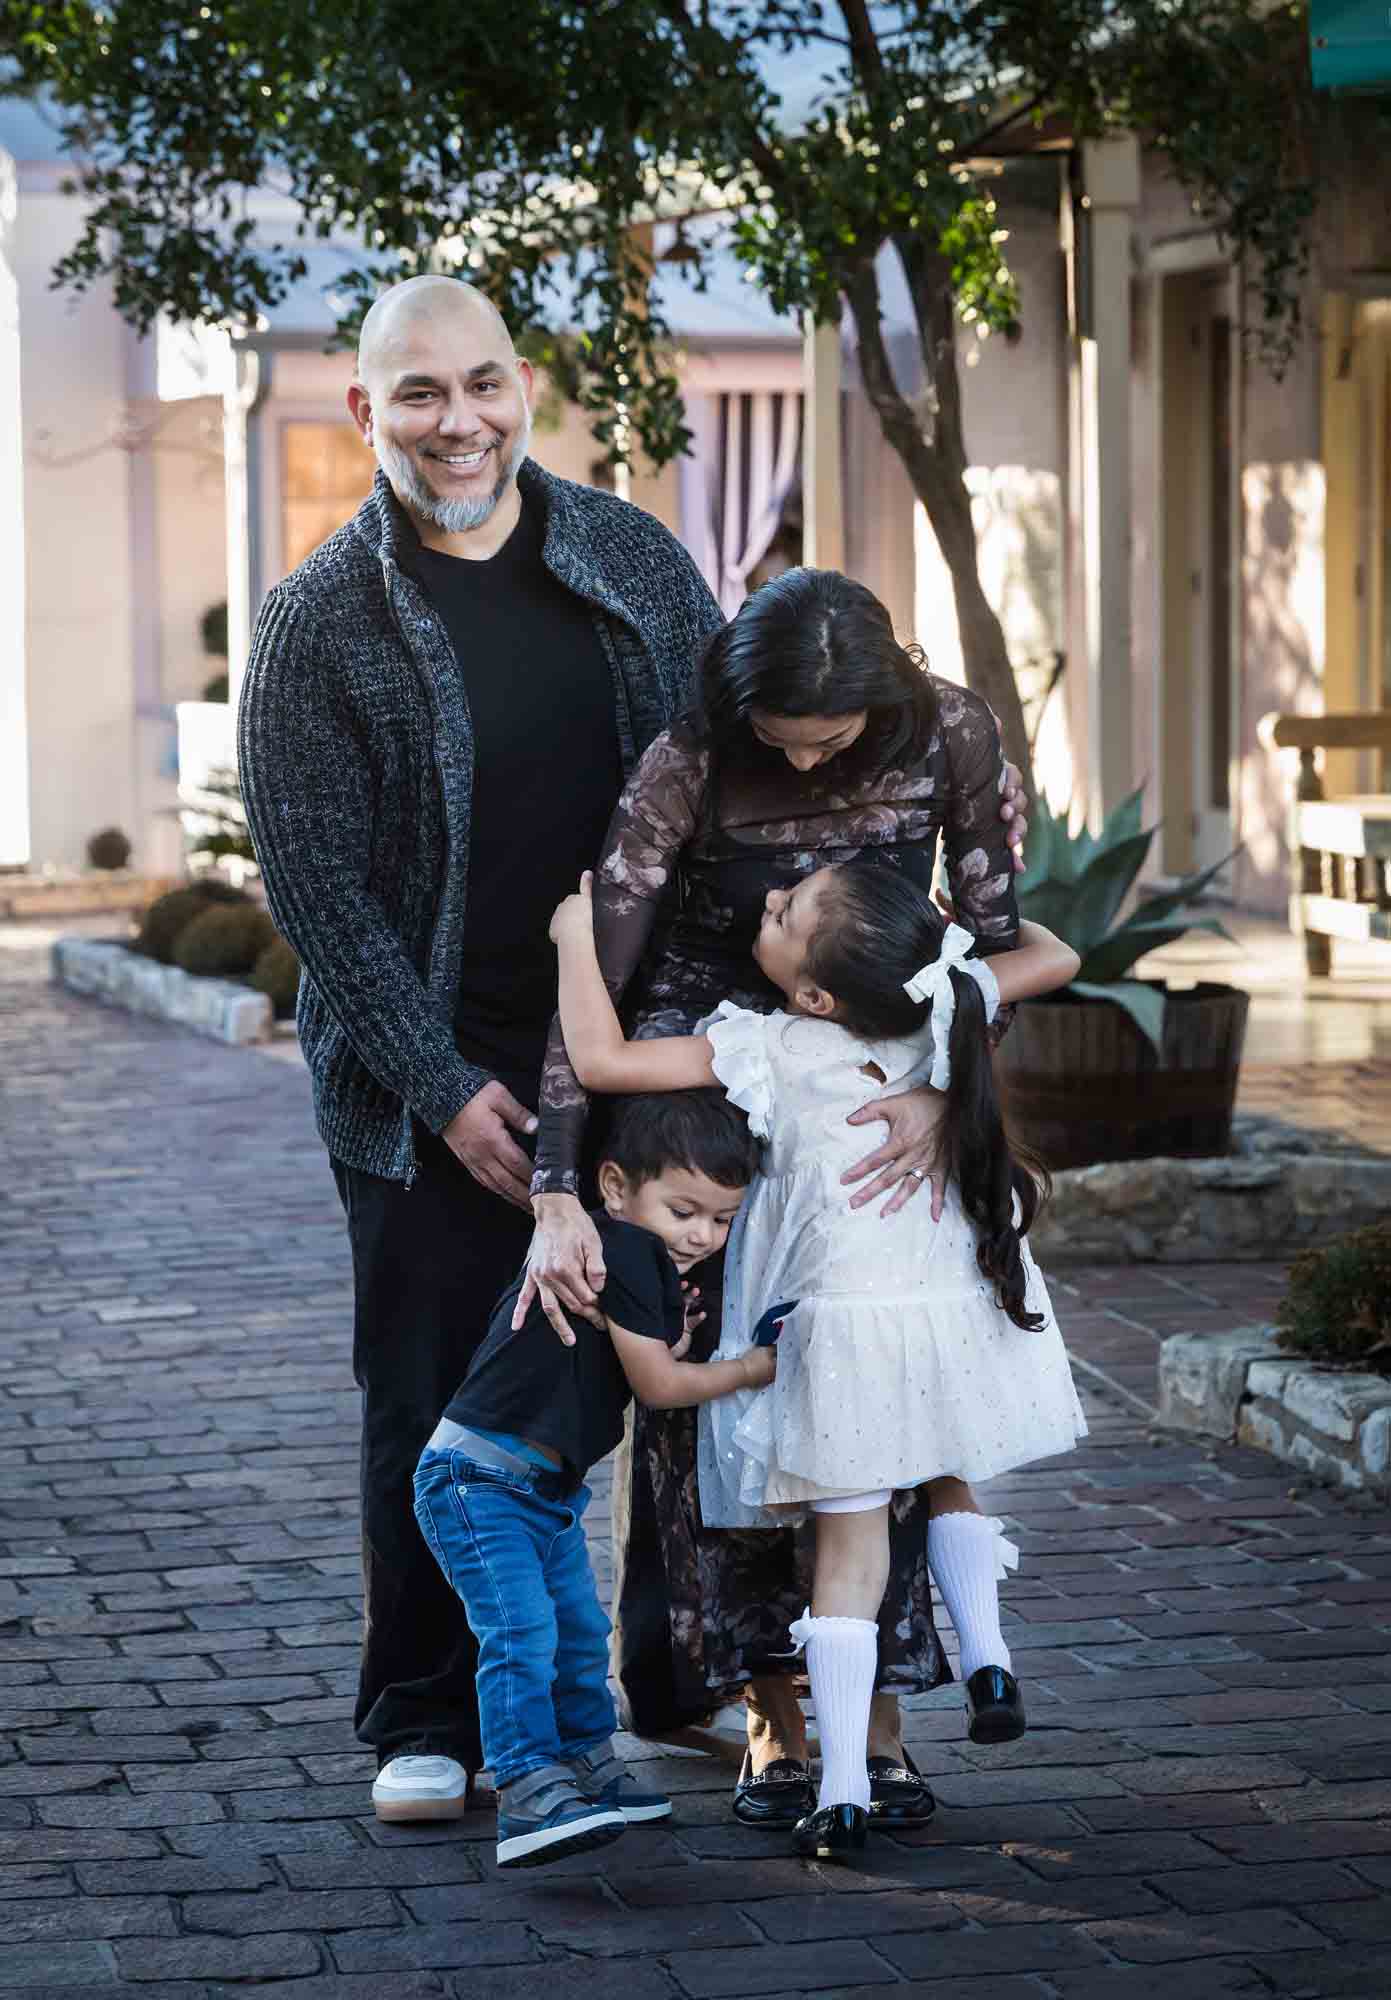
428 1264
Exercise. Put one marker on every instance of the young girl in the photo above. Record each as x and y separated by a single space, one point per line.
914 1350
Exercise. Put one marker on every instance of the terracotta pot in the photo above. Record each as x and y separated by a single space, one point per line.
1081 1083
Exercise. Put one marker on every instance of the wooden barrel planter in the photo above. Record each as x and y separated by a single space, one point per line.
1082 1084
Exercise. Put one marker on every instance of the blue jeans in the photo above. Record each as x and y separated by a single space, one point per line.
512 1546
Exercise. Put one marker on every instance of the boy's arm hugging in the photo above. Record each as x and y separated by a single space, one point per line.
659 1377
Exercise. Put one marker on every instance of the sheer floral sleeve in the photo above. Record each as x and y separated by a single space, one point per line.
980 871
653 821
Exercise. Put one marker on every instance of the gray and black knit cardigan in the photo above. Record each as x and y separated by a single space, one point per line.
356 759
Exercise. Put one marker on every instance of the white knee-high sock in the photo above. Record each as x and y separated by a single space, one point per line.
842 1662
962 1557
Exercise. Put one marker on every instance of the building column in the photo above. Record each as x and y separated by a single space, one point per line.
239 400
823 517
1100 422
14 720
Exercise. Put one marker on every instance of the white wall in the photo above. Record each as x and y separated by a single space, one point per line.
122 540
14 739
78 524
192 541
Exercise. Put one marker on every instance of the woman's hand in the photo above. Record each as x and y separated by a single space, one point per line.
1013 800
574 917
564 1266
907 1157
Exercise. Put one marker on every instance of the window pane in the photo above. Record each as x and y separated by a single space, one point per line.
326 472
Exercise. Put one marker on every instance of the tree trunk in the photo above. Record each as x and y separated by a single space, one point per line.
934 455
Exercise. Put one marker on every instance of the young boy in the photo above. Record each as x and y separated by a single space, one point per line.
499 1488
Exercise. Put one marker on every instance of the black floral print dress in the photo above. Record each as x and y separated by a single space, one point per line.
679 894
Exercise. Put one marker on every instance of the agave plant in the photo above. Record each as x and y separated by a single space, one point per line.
1076 884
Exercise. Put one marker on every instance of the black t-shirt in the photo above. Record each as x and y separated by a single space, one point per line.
572 1399
547 773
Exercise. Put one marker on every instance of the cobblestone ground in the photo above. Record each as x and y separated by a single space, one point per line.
1200 1808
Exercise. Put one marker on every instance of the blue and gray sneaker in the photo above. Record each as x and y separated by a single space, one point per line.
545 1816
605 1780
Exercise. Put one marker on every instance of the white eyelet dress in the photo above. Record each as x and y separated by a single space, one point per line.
897 1365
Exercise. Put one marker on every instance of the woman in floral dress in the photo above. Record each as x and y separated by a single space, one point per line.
817 738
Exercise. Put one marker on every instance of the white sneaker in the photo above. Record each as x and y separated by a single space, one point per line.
421 1788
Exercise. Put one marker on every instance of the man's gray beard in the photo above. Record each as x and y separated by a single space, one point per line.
452 517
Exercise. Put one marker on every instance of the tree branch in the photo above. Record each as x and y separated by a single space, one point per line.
864 43
934 308
890 405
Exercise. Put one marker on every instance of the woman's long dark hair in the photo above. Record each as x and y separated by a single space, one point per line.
812 642
876 930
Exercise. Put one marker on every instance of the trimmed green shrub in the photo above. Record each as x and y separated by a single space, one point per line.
1338 1303
171 914
224 942
108 849
276 972
212 629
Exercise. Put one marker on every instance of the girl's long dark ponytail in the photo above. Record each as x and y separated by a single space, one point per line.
975 1151
877 929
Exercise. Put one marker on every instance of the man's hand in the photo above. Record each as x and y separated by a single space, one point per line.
480 1138
1012 803
907 1158
564 1267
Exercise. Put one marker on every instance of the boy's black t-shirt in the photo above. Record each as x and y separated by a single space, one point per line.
572 1399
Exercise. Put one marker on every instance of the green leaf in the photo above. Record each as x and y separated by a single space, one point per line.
1050 904
1114 956
1056 853
1178 898
1123 821
1100 890
1143 1003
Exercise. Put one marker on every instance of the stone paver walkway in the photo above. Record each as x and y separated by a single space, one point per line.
1202 1807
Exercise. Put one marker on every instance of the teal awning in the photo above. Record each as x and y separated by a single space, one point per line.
1351 44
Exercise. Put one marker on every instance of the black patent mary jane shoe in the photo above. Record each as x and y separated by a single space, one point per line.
898 1793
831 1833
997 1710
776 1797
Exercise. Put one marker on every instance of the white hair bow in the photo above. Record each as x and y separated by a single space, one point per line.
933 982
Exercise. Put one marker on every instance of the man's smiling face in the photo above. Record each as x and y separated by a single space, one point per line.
444 402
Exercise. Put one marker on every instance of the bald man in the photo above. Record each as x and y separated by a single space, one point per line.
439 710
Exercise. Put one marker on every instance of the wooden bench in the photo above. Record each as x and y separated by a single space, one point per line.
1340 848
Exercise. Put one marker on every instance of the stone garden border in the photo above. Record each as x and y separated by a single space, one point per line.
104 969
1240 1386
1244 1209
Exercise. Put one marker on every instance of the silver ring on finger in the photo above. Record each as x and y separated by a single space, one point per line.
918 1173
